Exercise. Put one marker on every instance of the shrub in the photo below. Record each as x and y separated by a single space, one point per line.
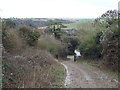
91 47
10 37
110 49
53 46
11 40
7 23
71 44
58 34
29 36
110 41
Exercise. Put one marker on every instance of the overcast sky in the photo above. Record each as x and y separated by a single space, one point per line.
56 8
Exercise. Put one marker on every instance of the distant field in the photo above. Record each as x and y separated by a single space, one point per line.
42 27
72 25
79 23
39 19
83 24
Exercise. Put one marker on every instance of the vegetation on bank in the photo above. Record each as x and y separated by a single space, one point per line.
90 47
26 63
99 66
53 46
33 68
103 44
59 76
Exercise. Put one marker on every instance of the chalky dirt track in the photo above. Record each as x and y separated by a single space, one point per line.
83 76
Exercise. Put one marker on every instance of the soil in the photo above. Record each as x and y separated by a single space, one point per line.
83 76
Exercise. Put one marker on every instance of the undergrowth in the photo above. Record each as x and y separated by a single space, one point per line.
103 68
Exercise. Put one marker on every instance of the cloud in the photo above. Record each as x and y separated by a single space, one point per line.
56 8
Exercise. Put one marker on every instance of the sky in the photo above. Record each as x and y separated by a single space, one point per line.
55 8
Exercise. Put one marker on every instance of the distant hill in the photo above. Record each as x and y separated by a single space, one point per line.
30 23
37 22
43 22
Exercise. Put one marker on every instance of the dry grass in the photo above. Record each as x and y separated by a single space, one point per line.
53 46
12 40
48 43
31 69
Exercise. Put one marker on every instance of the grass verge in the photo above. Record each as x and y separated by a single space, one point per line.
58 78
101 68
85 63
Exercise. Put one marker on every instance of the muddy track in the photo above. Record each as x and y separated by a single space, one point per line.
82 76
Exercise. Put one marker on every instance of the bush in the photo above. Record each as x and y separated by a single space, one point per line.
29 36
10 37
91 47
53 46
58 34
110 38
110 49
71 44
11 40
7 23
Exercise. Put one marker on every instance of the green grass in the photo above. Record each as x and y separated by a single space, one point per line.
85 25
112 73
84 63
42 27
59 74
101 68
36 19
71 25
